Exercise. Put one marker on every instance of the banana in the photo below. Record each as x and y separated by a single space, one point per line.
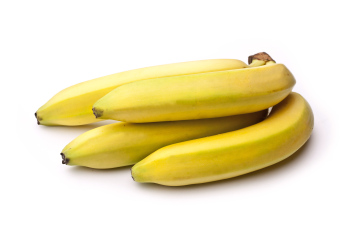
196 96
122 144
231 154
72 106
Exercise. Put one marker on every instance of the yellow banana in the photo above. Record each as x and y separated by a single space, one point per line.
231 154
122 144
197 96
72 106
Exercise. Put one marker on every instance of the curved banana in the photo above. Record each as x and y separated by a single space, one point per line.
122 144
231 154
72 106
196 96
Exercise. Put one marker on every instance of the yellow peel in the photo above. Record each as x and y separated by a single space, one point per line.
73 105
231 154
122 144
196 96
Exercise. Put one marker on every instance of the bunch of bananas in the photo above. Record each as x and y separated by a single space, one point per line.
185 123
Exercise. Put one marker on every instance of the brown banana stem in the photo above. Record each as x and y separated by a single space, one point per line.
262 56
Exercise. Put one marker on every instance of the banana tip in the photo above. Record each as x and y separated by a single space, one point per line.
37 118
64 159
97 112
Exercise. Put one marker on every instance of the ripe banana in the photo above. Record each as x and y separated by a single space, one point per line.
231 154
72 106
197 96
122 144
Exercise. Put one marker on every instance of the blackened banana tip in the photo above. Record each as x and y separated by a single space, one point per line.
97 112
64 159
37 119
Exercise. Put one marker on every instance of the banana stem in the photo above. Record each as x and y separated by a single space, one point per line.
260 59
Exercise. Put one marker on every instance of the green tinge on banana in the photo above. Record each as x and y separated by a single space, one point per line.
231 154
122 144
197 96
72 106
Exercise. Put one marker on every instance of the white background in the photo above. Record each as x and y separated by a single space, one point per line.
47 46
